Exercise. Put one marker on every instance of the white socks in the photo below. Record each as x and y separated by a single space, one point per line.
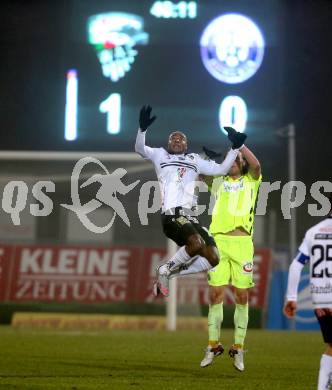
325 372
197 264
182 264
181 257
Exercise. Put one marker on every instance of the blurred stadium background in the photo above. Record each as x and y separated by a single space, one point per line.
51 70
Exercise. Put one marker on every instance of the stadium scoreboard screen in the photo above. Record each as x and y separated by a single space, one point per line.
201 65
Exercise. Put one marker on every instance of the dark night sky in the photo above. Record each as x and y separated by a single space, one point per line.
307 84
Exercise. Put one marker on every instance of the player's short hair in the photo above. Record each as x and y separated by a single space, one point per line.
179 132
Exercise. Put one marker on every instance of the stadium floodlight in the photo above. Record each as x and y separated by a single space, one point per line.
114 36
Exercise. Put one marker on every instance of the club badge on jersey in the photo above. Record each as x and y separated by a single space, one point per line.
181 172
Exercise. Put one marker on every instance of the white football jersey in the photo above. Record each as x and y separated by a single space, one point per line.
177 173
317 249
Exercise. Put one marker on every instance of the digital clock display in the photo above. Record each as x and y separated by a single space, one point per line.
170 9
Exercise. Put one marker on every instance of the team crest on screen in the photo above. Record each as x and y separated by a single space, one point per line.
232 48
115 36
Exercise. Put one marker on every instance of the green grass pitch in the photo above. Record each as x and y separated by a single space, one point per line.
154 360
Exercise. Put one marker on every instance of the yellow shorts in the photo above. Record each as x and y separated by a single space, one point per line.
236 262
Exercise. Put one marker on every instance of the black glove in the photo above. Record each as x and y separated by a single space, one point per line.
144 118
235 137
211 154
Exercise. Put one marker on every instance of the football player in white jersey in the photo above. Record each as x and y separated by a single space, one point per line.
177 172
316 249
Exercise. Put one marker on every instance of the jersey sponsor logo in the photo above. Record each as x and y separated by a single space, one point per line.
323 236
233 187
326 289
247 267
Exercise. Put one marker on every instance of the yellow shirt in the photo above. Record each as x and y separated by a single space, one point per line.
235 203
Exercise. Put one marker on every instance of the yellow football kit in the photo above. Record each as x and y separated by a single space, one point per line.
234 209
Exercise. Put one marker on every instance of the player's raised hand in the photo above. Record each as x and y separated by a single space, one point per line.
145 119
235 137
290 309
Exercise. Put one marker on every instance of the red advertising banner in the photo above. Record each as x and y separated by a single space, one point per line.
6 258
101 275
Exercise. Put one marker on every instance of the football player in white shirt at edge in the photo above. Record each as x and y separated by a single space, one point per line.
177 172
316 249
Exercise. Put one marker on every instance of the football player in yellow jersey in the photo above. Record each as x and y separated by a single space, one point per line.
232 229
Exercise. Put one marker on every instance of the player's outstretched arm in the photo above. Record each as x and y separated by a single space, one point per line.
211 155
238 142
145 120
294 275
211 168
254 165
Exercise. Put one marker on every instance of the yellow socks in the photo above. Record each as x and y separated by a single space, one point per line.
215 318
241 317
